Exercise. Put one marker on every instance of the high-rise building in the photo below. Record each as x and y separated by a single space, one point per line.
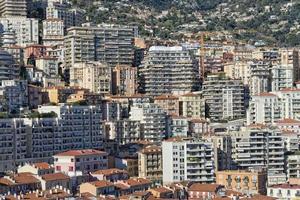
150 163
258 146
62 10
58 128
10 8
53 32
187 160
94 76
224 98
192 105
124 80
274 106
259 77
25 29
110 44
153 120
169 70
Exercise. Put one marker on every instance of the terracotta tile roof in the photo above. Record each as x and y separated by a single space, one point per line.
55 176
266 94
290 90
81 152
101 184
108 172
136 181
19 179
166 97
286 186
260 126
151 149
161 190
221 198
42 165
232 192
121 186
288 121
204 187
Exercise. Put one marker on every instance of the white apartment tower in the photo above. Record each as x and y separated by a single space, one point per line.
185 159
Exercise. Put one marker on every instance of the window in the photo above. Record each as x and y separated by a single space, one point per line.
71 168
58 168
72 159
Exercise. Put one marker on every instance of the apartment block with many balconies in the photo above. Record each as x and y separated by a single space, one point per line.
224 98
168 70
187 160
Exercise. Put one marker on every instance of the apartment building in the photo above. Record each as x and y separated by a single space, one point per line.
222 147
192 105
187 160
53 32
198 127
224 98
94 76
284 191
10 8
124 131
169 103
150 163
293 169
26 29
168 70
61 94
238 70
14 94
63 11
282 77
244 181
80 161
259 77
264 108
49 65
38 139
258 146
291 125
124 80
177 126
274 106
9 69
153 119
109 44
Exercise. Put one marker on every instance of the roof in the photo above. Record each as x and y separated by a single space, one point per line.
136 181
166 97
266 94
108 172
101 184
290 90
176 139
288 121
161 190
81 152
259 197
190 94
19 179
151 149
204 187
42 165
286 186
55 176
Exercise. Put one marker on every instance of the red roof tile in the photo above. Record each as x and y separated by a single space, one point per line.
81 152
55 176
